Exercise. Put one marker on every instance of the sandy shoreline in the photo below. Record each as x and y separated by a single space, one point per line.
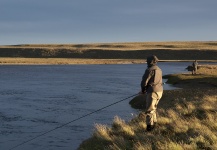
64 61
72 61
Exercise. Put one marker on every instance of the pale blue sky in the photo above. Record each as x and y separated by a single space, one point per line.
97 21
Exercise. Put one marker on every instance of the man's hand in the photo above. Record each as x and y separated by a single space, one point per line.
142 92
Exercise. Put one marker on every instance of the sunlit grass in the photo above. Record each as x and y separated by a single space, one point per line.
64 61
192 128
102 132
206 76
200 45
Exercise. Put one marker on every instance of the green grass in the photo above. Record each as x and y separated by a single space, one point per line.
186 120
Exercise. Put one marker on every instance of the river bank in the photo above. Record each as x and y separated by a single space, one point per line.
74 61
186 119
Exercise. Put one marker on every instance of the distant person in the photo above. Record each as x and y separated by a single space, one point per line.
194 65
152 86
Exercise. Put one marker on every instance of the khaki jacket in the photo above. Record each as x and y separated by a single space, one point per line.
152 80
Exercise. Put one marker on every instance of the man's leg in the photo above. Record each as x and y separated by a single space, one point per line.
155 114
151 106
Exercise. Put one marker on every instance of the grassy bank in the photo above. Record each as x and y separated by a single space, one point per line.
65 61
70 61
186 119
127 52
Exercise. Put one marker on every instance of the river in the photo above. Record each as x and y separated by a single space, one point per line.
35 99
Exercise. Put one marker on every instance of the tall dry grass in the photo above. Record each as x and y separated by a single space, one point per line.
189 124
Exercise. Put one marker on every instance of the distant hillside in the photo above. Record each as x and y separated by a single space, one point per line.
138 50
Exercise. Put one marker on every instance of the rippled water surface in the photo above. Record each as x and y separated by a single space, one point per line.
35 99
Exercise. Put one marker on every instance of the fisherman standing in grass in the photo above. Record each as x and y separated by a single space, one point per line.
152 86
194 64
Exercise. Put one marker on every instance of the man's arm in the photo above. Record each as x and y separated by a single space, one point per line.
145 80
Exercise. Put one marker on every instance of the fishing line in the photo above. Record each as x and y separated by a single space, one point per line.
70 122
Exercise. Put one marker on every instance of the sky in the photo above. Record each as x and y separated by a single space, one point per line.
106 21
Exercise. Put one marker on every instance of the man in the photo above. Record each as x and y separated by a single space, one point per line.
152 86
194 64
